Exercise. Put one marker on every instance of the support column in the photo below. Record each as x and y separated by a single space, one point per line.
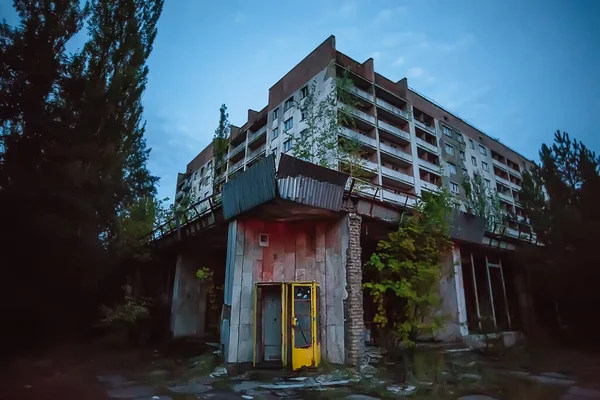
355 344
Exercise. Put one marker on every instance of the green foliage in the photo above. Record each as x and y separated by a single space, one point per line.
130 311
561 197
408 268
482 201
204 274
324 117
73 165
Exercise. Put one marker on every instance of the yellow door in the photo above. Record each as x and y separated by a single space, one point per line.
303 325
316 324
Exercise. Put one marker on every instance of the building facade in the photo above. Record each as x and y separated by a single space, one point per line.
410 145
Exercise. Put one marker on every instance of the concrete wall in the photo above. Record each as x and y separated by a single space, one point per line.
297 251
188 311
452 294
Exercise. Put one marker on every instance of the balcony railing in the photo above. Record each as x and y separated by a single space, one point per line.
370 166
349 133
402 199
398 111
500 164
219 178
256 153
233 168
429 186
237 149
500 179
392 129
423 125
257 134
428 146
361 93
397 175
506 197
514 172
187 185
395 152
357 113
515 185
429 166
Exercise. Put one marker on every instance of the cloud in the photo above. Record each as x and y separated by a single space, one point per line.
386 14
420 75
461 43
348 10
399 61
405 39
240 17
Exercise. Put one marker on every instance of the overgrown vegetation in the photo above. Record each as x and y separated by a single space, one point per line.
325 115
482 201
561 197
408 267
74 183
220 143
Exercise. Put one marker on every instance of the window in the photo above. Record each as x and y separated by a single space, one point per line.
275 133
465 172
456 206
206 195
447 131
288 124
275 113
449 149
289 103
304 91
473 161
452 168
485 166
209 165
302 115
488 184
459 137
287 145
471 144
202 171
482 150
454 188
462 156
275 152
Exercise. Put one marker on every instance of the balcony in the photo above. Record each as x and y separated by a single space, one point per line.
505 197
505 182
514 172
397 175
429 166
237 149
179 195
257 134
219 178
427 146
392 151
361 93
370 166
515 186
392 129
393 109
429 186
256 153
349 133
399 198
358 113
235 167
187 185
500 164
424 126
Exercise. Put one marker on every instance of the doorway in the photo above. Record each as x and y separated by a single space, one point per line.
286 325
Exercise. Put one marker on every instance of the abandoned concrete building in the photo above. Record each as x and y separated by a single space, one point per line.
287 239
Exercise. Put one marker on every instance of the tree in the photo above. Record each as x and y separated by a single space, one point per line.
325 115
220 142
482 201
73 173
407 269
560 196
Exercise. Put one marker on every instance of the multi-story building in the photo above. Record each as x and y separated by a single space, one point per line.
410 143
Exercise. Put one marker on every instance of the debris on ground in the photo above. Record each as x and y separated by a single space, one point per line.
219 372
308 383
190 388
402 390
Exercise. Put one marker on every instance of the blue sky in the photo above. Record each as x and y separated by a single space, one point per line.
518 70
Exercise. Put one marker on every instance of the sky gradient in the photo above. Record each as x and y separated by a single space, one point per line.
516 70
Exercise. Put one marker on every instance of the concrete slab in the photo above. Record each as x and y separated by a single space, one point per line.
190 388
130 392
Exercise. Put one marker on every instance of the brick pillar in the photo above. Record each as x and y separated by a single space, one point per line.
354 324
